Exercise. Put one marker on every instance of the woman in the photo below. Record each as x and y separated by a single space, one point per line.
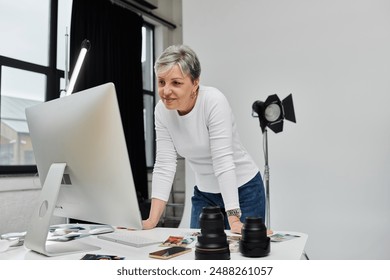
197 123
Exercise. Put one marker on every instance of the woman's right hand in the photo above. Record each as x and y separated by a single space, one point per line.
148 224
156 209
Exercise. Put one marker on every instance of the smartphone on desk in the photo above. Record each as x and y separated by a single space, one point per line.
169 252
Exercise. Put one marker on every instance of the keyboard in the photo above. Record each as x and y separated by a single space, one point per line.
129 238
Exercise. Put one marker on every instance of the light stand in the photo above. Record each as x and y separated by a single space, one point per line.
66 58
266 180
271 113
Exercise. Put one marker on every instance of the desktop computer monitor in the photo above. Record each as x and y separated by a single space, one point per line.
83 165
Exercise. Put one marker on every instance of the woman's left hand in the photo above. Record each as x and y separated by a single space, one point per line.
235 224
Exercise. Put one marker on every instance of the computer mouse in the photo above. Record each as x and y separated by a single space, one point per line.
100 230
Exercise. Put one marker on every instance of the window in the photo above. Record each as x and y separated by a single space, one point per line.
15 145
28 73
32 50
149 94
24 30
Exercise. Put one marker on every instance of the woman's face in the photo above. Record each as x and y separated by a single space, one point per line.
177 91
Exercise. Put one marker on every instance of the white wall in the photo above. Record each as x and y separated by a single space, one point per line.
16 202
330 172
18 198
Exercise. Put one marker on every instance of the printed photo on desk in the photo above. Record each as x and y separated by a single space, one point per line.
101 257
181 241
280 237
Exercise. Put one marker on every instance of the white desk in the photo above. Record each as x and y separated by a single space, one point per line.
286 250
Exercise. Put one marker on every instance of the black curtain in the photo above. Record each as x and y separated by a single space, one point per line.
115 34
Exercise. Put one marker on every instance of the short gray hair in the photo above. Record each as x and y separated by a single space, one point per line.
181 55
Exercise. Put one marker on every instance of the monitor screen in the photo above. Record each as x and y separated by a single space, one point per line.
83 164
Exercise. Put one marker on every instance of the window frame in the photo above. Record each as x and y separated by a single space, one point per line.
53 76
53 84
152 94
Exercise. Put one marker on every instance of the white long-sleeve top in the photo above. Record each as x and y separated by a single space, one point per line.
207 138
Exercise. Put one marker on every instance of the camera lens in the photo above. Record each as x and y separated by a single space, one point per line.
254 241
212 242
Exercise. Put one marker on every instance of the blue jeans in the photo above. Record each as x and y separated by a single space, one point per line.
251 196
